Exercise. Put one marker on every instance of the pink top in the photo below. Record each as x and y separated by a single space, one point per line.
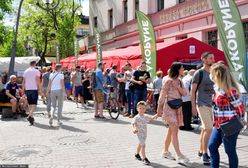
30 78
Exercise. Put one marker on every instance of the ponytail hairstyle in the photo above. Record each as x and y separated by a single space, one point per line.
222 78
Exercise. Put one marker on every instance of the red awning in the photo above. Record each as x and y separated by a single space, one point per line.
187 50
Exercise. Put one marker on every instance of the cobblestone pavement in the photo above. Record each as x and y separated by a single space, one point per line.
83 142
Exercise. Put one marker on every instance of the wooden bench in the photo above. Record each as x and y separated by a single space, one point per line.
5 104
6 110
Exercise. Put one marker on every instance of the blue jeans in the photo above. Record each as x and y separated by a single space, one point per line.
230 142
139 95
129 96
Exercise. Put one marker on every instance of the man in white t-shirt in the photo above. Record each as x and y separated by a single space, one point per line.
32 87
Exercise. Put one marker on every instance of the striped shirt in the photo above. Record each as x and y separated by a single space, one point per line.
227 106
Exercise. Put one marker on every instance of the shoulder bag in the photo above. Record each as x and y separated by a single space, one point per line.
175 103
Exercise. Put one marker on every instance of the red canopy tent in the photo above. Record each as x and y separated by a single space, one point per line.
187 51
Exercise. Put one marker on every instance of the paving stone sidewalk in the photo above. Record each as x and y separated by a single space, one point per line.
85 142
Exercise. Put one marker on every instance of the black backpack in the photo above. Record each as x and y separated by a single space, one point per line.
93 80
200 80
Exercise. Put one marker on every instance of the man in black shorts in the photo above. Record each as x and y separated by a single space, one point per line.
32 88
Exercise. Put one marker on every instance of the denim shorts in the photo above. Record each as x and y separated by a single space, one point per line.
32 96
78 91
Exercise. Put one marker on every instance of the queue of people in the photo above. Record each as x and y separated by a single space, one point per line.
209 92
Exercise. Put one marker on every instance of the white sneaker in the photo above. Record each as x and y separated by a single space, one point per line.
168 155
182 159
51 121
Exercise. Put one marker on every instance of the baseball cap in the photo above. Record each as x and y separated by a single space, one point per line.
101 63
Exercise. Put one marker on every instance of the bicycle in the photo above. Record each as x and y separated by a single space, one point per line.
112 103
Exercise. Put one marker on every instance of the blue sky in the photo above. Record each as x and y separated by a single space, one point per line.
10 20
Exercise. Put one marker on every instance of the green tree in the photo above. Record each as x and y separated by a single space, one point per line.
6 47
37 25
5 7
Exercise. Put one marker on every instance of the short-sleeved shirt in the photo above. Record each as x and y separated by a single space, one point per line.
99 79
45 79
140 122
113 78
78 79
137 75
205 89
67 76
56 78
12 87
121 84
30 76
157 84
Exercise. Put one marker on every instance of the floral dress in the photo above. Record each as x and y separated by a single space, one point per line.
170 116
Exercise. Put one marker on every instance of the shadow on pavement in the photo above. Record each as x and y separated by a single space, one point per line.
156 165
43 126
226 165
72 129
108 120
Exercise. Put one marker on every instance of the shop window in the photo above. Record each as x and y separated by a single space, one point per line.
181 1
136 5
110 18
213 38
246 34
95 22
160 5
181 37
125 10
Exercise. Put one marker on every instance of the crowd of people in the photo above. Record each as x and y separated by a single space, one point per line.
209 91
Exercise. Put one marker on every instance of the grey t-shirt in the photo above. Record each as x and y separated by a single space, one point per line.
205 89
113 78
45 78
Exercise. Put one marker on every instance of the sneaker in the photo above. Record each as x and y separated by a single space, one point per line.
168 155
137 156
126 115
131 116
199 154
146 161
51 121
31 120
182 160
205 159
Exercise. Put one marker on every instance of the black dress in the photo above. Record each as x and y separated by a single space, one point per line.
86 91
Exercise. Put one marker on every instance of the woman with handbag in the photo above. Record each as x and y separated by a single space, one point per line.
228 112
169 106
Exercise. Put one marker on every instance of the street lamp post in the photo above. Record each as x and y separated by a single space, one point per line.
13 51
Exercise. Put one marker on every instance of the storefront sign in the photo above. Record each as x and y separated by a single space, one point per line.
187 10
191 49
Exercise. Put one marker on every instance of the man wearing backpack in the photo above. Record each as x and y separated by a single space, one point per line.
201 99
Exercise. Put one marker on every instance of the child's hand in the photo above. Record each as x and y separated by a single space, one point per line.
135 131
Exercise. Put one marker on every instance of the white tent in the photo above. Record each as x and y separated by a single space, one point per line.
21 63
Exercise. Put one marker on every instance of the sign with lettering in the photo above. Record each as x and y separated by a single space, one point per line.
232 37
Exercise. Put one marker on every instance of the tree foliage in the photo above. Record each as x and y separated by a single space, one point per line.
37 25
6 47
5 7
